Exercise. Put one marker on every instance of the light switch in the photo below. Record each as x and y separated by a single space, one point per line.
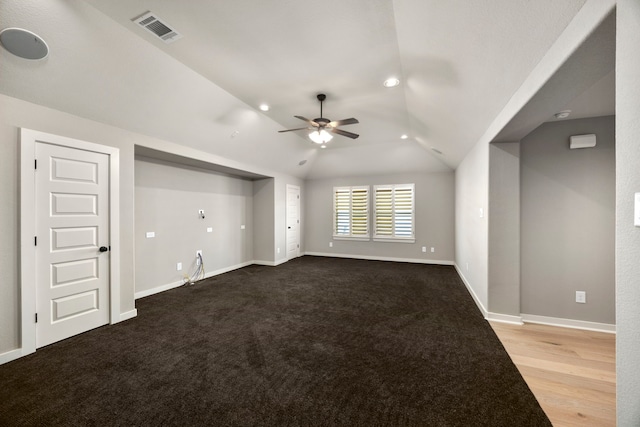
151 234
481 212
636 211
209 229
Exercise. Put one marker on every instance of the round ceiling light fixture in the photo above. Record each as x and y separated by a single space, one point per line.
391 82
24 43
264 107
404 136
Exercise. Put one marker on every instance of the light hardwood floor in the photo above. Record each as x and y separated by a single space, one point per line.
571 372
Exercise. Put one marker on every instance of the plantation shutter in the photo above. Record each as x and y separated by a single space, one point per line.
394 212
351 212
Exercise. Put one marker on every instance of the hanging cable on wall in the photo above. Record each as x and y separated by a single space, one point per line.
198 274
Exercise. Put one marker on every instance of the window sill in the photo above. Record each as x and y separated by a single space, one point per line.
394 240
358 239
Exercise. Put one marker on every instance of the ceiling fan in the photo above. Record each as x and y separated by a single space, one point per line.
322 126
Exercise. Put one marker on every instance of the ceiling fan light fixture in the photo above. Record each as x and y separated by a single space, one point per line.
320 137
391 82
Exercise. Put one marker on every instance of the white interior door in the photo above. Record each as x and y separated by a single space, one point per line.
72 241
293 221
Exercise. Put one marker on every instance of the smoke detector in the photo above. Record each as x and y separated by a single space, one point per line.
562 114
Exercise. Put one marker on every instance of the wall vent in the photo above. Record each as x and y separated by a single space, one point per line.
152 23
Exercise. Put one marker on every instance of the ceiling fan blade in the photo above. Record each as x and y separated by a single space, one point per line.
291 130
345 133
311 122
343 122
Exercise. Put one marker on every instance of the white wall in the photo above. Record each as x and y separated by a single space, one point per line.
263 218
472 229
627 235
503 294
568 221
168 197
17 113
434 195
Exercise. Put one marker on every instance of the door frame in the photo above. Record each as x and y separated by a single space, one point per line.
28 140
298 249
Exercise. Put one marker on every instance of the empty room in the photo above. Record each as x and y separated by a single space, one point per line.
388 212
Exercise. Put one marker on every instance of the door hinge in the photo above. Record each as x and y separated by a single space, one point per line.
35 163
36 317
35 240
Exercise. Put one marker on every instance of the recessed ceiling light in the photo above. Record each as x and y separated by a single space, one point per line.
562 114
323 146
264 107
404 136
391 82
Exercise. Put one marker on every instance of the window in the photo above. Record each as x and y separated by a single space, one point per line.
351 212
394 212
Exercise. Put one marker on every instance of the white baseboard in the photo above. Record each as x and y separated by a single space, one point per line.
569 323
504 318
270 263
472 292
381 258
128 315
10 355
168 286
158 289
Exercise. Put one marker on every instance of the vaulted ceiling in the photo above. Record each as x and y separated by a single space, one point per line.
458 62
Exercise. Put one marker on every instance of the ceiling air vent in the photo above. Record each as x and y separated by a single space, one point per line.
152 23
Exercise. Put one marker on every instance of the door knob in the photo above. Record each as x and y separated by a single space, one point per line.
103 249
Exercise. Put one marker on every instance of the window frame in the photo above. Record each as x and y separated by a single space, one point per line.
367 213
394 237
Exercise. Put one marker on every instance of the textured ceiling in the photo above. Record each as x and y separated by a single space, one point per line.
459 63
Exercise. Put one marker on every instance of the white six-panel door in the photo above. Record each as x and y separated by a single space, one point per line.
293 221
72 248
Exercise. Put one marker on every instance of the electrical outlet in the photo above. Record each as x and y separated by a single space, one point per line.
179 266
581 297
209 229
330 244
150 234
433 249
424 249
242 227
198 256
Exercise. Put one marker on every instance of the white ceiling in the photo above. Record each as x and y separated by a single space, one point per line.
459 62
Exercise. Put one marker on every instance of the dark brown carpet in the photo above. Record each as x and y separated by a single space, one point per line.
313 342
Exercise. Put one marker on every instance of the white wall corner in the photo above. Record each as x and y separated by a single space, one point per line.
472 292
